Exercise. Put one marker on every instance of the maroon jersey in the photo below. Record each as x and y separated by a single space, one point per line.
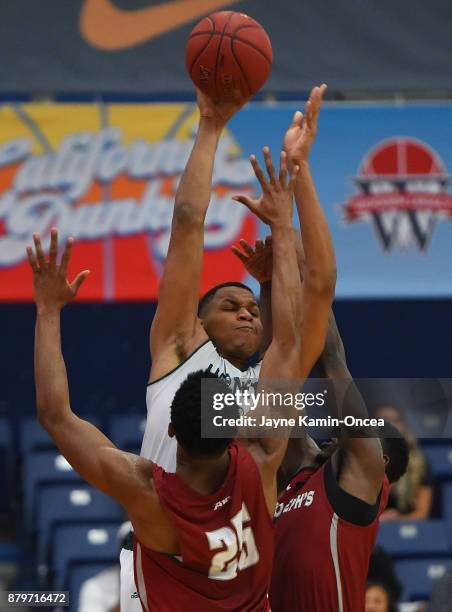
226 545
324 539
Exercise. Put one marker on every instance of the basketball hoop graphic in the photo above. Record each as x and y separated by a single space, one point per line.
402 185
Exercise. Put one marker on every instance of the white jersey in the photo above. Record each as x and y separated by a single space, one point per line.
157 445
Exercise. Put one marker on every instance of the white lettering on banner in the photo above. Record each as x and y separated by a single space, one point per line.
49 189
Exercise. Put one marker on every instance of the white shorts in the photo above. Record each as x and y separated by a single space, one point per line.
129 600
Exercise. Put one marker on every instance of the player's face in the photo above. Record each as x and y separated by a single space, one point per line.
233 323
376 600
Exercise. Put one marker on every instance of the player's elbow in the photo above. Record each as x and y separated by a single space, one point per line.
43 419
186 215
47 417
321 282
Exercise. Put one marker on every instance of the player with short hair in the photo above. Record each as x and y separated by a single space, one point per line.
328 513
331 497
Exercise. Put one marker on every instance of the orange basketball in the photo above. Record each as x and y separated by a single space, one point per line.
228 51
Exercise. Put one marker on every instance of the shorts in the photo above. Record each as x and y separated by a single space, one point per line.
130 602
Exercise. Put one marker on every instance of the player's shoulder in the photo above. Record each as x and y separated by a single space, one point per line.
346 506
242 454
200 358
149 474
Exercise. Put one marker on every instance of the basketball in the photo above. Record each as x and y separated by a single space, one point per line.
228 52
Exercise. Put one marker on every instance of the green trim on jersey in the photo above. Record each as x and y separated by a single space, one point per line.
179 365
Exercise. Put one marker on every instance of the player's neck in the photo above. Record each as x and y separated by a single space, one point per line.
203 475
239 362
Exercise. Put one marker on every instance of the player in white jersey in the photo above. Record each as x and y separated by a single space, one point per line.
228 330
156 443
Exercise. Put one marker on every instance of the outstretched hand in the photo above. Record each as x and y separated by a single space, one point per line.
51 287
303 130
219 112
258 261
275 203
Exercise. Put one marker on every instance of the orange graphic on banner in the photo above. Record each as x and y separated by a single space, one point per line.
107 27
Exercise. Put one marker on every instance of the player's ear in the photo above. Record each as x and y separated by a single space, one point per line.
385 459
171 432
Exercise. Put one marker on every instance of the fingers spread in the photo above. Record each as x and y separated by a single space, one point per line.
66 257
259 246
297 119
309 112
32 260
321 92
78 280
39 252
258 172
246 201
269 165
243 258
53 251
246 246
283 168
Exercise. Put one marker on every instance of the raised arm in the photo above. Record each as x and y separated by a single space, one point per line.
176 330
315 253
363 466
281 363
123 476
319 259
258 262
275 208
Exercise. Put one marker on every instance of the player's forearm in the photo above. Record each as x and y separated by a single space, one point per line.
280 364
286 287
319 257
52 391
265 308
266 295
333 365
194 191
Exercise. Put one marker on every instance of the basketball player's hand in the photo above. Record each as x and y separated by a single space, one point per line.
258 261
276 202
303 130
218 112
52 290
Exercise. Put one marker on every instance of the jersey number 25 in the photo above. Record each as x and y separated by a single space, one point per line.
237 544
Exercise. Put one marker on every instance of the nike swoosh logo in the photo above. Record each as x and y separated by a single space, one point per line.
107 27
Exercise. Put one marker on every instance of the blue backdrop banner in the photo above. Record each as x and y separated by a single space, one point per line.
107 175
383 175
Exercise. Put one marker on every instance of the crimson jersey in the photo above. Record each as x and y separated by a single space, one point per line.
324 539
226 545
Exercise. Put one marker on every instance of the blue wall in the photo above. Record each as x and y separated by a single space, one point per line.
106 349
